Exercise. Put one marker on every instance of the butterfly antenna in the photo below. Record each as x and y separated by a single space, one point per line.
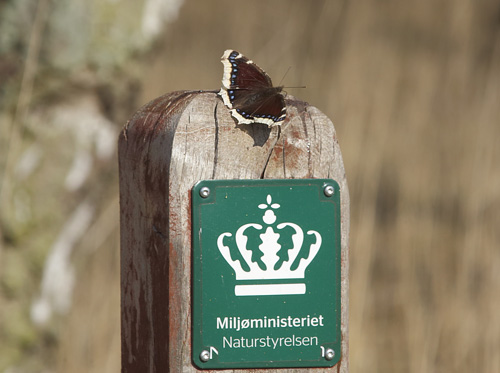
281 81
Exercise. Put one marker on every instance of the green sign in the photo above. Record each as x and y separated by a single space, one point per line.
266 273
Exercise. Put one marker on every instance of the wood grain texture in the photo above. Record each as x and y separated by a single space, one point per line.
169 145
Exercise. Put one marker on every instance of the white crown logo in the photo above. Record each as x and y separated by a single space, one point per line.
270 260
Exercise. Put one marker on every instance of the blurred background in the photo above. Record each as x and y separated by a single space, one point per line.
412 88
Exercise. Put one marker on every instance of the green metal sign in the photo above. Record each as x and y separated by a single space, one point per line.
266 273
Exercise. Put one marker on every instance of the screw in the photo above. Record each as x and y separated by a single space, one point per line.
329 354
204 192
204 355
329 190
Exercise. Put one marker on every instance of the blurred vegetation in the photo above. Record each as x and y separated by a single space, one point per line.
413 90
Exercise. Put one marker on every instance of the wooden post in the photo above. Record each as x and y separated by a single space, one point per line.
170 144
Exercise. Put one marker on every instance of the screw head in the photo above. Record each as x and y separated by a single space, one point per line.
204 356
329 354
204 192
329 190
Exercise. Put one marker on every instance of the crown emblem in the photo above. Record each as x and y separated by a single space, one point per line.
269 251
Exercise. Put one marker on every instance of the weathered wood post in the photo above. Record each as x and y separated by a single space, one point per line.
167 147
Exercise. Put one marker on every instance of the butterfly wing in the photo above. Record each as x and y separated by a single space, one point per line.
266 106
242 73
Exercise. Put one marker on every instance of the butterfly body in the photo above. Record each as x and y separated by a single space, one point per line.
248 92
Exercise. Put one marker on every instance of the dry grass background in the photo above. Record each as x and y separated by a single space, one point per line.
414 93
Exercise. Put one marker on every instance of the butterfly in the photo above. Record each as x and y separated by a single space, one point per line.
248 92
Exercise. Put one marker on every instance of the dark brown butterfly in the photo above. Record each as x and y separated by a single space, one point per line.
248 92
